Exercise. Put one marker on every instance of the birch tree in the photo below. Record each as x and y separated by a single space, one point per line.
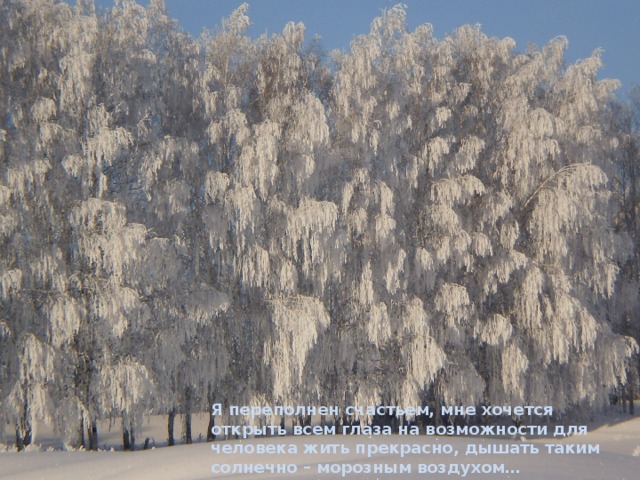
422 221
36 289
626 120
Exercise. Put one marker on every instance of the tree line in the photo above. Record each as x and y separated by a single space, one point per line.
187 221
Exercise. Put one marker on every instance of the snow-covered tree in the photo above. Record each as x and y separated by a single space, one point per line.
421 221
505 210
626 120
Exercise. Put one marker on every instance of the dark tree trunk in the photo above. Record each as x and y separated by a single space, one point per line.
188 398
346 423
23 437
81 435
19 439
187 428
128 435
212 419
172 417
126 443
93 435
212 423
23 430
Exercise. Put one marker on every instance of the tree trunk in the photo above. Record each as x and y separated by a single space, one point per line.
23 430
126 443
81 435
88 433
187 428
212 419
212 423
188 394
19 439
128 435
93 435
172 417
23 437
438 412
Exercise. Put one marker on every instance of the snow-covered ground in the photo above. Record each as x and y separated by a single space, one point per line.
619 458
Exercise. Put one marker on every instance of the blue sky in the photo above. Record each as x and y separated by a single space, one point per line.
612 25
